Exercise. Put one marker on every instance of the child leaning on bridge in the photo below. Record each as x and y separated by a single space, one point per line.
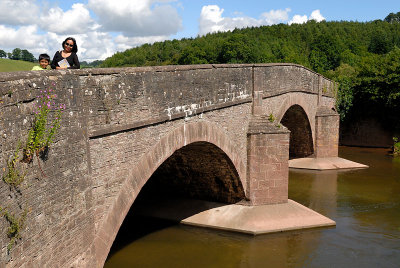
44 61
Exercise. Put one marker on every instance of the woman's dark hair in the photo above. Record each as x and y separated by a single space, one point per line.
75 47
44 57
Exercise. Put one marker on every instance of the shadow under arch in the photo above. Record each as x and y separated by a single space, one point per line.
301 138
198 133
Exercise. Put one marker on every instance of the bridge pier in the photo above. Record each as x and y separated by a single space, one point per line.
326 132
268 208
267 162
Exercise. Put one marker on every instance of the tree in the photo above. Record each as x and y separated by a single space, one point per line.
3 54
16 54
392 17
27 56
380 43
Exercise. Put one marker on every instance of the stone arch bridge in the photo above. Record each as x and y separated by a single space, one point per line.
227 130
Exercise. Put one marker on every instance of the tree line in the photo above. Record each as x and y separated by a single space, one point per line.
364 57
18 54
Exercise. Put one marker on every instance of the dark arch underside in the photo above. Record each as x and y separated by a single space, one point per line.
199 170
301 143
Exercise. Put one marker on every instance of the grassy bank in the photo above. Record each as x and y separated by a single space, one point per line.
7 65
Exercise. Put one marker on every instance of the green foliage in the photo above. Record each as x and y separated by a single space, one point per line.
93 64
345 76
16 54
17 224
380 42
14 177
41 135
396 146
393 18
271 118
27 56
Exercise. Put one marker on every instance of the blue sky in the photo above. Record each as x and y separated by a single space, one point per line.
103 27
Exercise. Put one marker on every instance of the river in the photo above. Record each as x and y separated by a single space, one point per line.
364 203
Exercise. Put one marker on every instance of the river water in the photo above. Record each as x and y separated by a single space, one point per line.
364 203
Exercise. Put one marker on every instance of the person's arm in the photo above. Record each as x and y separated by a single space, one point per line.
76 64
54 63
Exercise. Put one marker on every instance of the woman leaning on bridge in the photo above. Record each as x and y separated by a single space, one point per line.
66 58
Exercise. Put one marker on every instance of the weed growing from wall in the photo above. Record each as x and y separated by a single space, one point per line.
17 224
14 177
42 133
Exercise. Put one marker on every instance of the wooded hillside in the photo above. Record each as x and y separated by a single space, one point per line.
363 57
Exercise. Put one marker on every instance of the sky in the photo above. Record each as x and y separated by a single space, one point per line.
104 27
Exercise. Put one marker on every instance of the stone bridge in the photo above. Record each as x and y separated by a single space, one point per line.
209 132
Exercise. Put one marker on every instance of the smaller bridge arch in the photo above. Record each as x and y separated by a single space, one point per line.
301 138
183 136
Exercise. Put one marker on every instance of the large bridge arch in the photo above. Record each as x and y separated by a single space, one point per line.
180 137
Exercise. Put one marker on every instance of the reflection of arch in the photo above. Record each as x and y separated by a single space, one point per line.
183 135
301 141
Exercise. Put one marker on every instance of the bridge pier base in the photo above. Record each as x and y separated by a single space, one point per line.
326 145
267 162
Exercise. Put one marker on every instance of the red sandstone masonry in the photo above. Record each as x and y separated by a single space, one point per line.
267 162
326 133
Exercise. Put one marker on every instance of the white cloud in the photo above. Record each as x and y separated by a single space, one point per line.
298 19
137 17
316 15
74 21
276 16
123 42
22 12
211 19
10 37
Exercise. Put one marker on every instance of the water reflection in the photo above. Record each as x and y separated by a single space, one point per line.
364 203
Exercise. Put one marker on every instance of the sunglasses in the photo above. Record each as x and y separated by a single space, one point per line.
67 44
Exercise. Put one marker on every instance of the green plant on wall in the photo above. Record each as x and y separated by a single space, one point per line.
271 118
14 177
17 224
42 133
